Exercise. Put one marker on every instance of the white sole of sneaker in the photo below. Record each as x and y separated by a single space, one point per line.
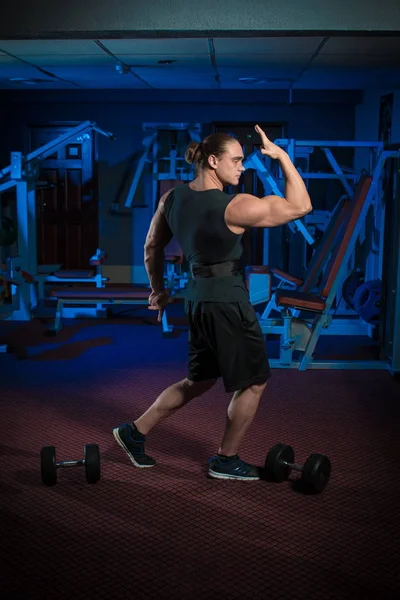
216 475
121 443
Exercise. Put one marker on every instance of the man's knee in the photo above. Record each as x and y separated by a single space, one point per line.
256 388
193 389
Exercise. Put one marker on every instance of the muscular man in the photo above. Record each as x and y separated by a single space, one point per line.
225 339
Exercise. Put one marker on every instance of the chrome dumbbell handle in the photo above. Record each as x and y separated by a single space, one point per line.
293 466
70 463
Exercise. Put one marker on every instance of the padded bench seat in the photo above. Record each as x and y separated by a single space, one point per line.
74 274
282 275
175 259
300 300
102 296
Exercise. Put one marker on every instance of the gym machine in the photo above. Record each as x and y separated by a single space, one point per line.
301 153
160 167
22 174
306 313
170 166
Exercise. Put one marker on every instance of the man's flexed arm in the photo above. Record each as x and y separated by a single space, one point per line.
247 210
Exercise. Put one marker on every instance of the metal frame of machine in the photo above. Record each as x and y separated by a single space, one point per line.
151 154
302 149
22 173
296 332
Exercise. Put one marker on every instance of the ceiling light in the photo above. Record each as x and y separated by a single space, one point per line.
23 80
122 69
250 80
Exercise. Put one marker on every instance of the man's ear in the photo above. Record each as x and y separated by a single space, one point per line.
213 161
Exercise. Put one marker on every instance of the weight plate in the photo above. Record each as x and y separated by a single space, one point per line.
367 301
48 465
316 472
274 462
92 463
350 286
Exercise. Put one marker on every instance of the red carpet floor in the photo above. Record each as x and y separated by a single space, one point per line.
170 532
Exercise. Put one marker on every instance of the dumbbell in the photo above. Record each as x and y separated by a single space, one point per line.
49 465
315 472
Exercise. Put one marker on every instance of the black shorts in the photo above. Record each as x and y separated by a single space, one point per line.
225 340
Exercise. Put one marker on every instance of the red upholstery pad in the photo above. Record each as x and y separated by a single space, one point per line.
257 269
171 258
74 274
287 276
302 300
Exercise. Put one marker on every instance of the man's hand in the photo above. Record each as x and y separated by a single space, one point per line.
268 148
159 302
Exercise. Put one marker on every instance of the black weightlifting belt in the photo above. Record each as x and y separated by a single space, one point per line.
224 269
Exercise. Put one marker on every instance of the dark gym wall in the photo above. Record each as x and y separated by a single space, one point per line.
367 121
123 114
177 16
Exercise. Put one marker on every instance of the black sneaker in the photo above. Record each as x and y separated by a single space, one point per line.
132 441
232 467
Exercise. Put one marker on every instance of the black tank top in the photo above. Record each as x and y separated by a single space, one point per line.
197 220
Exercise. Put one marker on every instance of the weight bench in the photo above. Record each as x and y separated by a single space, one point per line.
318 260
103 296
54 273
297 334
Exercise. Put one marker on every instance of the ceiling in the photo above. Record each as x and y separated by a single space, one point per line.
202 63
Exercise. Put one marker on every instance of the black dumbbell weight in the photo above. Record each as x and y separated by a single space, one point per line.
277 461
315 472
49 465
